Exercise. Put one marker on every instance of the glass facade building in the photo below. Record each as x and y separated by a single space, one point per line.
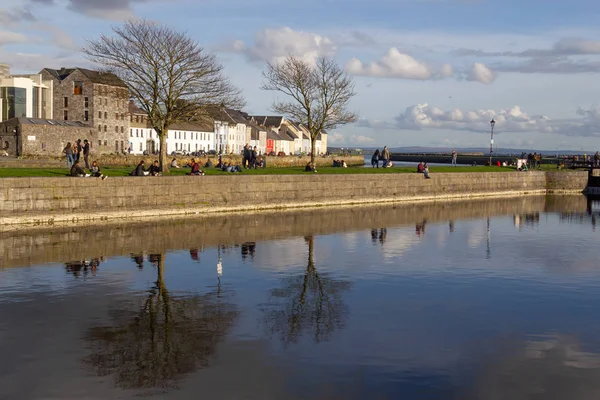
14 102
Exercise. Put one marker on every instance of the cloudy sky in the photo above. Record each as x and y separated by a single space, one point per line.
428 72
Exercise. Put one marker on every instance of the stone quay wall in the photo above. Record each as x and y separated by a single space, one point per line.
43 201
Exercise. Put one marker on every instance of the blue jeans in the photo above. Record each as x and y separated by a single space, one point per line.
69 160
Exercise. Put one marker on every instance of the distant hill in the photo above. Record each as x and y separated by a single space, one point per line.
500 150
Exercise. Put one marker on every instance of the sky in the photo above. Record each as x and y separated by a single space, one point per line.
427 72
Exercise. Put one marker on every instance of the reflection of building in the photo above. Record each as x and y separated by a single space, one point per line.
532 219
28 96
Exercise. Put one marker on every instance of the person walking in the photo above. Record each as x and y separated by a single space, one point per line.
454 156
68 151
597 160
86 153
375 159
385 154
78 149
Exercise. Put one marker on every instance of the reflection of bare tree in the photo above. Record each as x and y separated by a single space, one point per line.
308 303
168 337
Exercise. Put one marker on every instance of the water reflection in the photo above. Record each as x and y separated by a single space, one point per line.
378 236
309 304
83 268
554 367
156 344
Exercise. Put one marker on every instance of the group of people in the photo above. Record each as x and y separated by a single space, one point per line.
383 156
340 164
73 151
250 157
423 168
78 171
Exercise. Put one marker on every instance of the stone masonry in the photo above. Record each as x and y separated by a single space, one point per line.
100 100
35 200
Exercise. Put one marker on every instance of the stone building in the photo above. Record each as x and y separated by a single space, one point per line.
42 137
97 99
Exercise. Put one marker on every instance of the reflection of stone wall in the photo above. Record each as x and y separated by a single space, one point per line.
54 200
78 241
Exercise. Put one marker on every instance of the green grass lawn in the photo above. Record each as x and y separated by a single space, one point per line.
120 171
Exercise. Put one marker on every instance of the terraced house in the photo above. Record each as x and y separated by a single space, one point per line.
97 99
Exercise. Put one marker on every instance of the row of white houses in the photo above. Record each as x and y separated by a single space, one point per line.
224 131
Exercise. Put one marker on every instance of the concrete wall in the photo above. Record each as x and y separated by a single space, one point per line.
51 200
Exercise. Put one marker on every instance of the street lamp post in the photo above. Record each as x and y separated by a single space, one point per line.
492 123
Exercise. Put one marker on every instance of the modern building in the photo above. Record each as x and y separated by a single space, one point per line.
24 96
97 99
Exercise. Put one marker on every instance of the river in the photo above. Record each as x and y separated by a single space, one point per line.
486 299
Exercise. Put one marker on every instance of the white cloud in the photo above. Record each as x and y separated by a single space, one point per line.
275 44
339 139
514 119
393 64
481 73
8 37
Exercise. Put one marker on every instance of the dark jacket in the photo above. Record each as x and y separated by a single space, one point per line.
138 171
375 156
246 153
76 170
154 170
86 149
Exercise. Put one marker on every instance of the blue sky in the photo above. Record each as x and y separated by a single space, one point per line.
427 72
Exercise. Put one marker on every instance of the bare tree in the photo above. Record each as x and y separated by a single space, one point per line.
168 74
318 95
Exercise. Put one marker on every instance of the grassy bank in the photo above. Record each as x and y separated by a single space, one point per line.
124 171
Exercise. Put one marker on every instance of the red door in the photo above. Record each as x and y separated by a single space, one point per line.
270 145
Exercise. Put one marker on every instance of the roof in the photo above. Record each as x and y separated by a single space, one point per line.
255 126
100 77
193 126
219 114
134 109
273 135
53 122
236 115
288 136
268 121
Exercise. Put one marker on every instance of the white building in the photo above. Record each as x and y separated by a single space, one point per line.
26 96
190 137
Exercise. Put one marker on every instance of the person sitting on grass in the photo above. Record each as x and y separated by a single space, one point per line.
154 169
174 164
310 167
423 168
196 171
95 169
228 167
139 170
389 164
76 170
209 164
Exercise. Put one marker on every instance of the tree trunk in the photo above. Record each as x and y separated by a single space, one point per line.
163 160
313 144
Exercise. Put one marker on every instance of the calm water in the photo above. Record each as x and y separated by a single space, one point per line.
473 300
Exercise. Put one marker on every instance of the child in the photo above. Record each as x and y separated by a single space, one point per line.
96 171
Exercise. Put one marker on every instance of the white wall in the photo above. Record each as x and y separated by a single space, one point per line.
177 140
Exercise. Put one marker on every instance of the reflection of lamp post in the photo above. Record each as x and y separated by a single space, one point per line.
492 123
488 252
219 270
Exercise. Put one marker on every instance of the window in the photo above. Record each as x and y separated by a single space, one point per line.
77 88
105 115
122 117
99 143
117 116
99 128
86 115
106 142
122 129
99 114
116 146
105 128
105 102
86 102
116 129
66 115
189 147
131 132
183 135
141 149
65 102
131 118
196 146
137 119
137 133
